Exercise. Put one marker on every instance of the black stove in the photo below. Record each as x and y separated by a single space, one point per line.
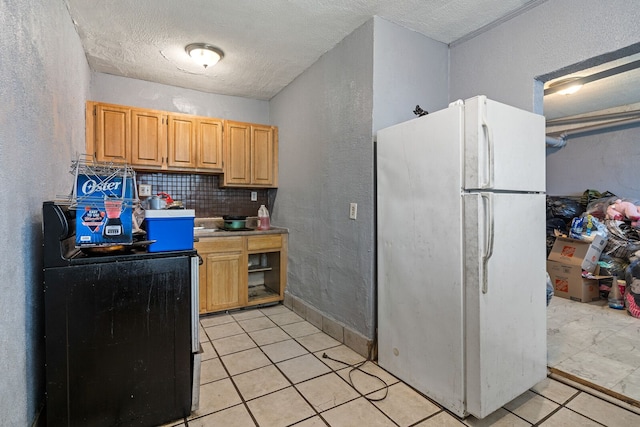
133 315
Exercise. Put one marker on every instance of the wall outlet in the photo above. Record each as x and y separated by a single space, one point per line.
254 196
353 210
144 190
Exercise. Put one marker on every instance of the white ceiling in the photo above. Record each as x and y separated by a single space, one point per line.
267 43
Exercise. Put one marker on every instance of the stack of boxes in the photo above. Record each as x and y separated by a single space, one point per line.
566 262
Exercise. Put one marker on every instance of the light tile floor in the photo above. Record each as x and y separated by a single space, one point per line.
264 367
595 343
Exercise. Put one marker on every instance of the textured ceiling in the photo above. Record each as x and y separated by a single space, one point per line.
267 43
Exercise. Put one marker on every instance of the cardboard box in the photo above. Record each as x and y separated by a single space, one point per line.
172 229
103 214
578 252
568 282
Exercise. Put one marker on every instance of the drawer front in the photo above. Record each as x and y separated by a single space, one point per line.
219 244
259 243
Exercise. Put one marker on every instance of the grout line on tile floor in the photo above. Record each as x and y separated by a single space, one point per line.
545 418
273 363
244 401
319 413
417 423
594 392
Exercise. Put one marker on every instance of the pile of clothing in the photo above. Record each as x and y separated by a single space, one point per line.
617 219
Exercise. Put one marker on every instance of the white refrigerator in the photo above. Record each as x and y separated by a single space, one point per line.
461 254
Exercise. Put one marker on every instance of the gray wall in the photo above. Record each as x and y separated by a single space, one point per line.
409 69
44 81
502 63
371 79
326 158
604 160
138 93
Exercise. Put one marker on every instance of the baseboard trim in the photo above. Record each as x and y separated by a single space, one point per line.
338 331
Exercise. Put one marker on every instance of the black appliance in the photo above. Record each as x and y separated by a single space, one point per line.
122 344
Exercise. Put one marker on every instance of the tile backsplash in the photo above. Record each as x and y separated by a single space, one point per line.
203 193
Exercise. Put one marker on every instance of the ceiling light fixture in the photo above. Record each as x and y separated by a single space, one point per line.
564 83
566 86
204 54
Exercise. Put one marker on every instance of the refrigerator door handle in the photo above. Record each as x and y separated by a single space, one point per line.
488 137
195 304
488 250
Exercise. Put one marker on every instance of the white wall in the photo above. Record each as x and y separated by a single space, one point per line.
139 93
326 117
503 62
44 81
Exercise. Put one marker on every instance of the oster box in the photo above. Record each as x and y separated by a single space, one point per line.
104 210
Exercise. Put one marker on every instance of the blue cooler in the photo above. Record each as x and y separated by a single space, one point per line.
172 229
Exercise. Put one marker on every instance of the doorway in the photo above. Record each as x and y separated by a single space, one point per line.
592 144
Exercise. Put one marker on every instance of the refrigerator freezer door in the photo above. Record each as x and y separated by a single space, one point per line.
420 318
505 316
504 147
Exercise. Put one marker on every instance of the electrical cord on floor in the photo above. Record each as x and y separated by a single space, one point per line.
358 367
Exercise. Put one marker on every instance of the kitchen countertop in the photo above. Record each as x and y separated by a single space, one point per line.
208 232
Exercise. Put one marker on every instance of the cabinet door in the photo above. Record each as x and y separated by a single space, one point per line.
225 286
112 133
147 139
181 142
262 155
237 154
209 137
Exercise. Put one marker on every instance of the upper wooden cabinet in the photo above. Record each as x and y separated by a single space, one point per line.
209 145
237 146
251 153
246 153
263 155
110 137
181 141
148 139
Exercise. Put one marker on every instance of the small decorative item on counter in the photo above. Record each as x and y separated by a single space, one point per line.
263 218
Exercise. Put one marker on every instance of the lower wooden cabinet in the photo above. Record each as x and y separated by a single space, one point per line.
241 271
